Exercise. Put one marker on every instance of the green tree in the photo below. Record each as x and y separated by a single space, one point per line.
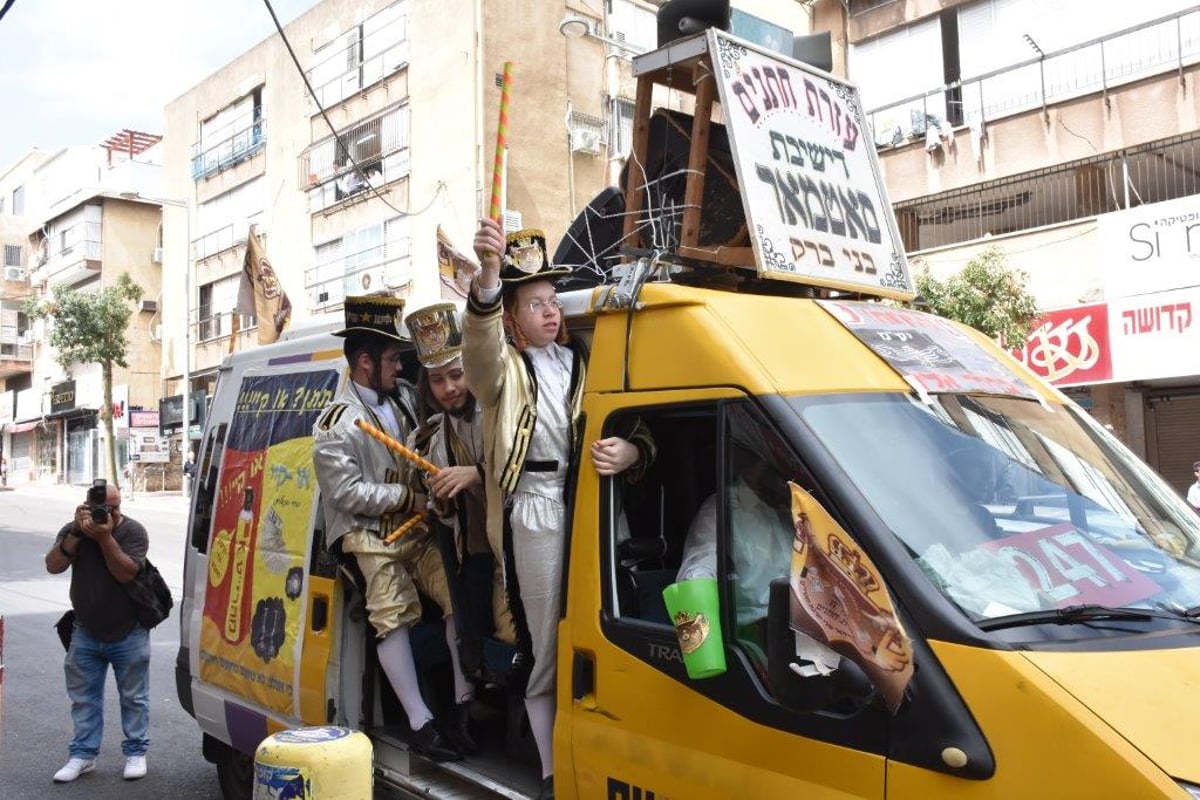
89 328
988 295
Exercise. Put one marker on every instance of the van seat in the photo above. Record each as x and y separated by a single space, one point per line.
649 585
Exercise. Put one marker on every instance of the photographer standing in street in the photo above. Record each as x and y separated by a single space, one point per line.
104 550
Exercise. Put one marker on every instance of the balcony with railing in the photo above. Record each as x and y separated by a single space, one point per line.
71 255
16 349
369 155
246 138
384 265
1117 90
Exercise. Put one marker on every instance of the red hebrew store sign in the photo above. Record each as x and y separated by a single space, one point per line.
1070 346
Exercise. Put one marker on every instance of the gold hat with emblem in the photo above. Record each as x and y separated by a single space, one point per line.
374 314
436 333
525 258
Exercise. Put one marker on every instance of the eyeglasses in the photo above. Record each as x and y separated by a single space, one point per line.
538 306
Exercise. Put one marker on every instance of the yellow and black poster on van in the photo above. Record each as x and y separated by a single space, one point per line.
254 599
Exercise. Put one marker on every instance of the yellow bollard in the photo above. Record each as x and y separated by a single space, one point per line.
327 762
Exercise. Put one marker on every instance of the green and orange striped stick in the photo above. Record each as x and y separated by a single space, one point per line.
496 210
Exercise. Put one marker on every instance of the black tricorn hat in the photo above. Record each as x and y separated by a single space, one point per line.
525 258
374 314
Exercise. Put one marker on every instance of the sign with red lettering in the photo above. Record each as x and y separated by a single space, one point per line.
1070 569
1070 346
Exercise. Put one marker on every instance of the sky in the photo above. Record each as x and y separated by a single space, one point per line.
79 71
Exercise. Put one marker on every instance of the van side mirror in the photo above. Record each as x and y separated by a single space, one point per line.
797 692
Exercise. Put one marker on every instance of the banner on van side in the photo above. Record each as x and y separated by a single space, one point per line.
931 353
840 600
811 188
260 538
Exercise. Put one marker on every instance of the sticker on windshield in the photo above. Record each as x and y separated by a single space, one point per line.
930 353
1069 569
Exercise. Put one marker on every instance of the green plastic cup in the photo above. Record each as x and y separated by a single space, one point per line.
695 610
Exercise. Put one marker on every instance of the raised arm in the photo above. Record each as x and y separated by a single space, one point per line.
484 350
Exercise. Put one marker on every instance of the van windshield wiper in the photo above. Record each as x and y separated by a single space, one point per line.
1075 615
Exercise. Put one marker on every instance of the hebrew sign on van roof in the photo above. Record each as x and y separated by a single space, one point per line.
814 201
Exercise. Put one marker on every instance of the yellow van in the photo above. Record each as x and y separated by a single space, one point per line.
1046 582
1047 578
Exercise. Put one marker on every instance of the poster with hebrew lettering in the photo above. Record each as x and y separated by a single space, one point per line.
813 194
932 354
839 599
260 536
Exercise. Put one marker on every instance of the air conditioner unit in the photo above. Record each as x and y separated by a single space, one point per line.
157 257
148 305
585 140
14 273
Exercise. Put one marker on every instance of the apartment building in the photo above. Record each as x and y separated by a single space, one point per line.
1065 134
412 90
73 217
16 353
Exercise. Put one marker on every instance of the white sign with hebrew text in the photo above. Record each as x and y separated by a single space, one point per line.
810 181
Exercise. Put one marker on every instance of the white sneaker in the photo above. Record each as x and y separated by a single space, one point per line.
135 767
73 769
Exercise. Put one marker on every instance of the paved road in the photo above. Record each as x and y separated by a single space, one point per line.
36 724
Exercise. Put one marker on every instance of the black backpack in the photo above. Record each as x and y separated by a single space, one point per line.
152 601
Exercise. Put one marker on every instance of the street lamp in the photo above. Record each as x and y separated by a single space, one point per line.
187 312
574 26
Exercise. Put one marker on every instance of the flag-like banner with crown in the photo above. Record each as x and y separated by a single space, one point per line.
839 599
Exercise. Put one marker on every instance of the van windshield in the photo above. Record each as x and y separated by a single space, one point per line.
1013 507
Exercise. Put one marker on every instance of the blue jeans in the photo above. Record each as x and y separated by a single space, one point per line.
86 668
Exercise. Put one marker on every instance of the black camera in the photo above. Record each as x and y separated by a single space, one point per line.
97 498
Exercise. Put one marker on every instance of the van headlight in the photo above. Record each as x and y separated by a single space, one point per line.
1191 788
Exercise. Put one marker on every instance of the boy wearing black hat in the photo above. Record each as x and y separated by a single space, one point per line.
531 389
365 498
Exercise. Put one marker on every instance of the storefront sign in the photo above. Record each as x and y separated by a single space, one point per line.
814 201
1151 248
170 412
62 396
143 419
1070 346
120 409
29 404
1127 339
147 447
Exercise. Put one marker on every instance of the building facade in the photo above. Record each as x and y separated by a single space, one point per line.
77 220
349 186
1068 140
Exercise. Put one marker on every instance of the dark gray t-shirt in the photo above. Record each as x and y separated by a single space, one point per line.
101 605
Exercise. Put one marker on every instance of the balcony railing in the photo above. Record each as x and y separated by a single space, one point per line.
1152 48
384 266
227 152
1076 190
223 239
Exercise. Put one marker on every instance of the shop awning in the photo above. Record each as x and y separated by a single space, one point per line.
24 427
